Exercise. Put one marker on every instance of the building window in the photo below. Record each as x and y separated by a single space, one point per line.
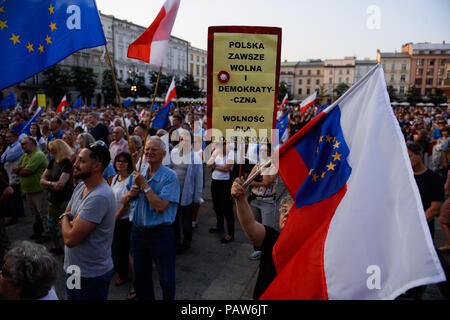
309 72
198 59
191 70
393 66
402 78
300 91
427 91
419 62
430 72
330 81
402 90
203 59
317 81
318 72
418 82
300 81
419 72
308 81
442 62
340 71
331 71
441 72
392 78
308 91
403 67
300 73
340 80
192 57
431 62
198 69
346 80
429 81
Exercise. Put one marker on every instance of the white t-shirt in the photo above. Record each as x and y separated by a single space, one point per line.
221 161
120 188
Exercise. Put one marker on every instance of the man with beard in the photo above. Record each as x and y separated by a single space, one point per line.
87 227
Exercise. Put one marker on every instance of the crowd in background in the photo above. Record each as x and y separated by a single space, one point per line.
40 167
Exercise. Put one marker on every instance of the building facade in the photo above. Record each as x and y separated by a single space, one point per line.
309 77
336 72
397 70
427 64
362 67
197 66
287 75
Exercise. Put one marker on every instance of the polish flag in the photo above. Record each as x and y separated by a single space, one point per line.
285 100
171 93
308 102
142 115
62 104
33 103
152 45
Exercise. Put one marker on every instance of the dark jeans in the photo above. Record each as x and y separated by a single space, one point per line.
121 247
91 288
223 204
15 203
184 217
158 246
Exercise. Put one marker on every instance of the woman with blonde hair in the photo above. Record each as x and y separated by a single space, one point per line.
58 180
69 138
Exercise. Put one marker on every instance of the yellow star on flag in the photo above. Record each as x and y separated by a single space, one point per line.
3 24
321 139
48 39
323 175
328 138
1 9
336 156
331 166
41 48
30 47
53 26
15 38
336 145
311 171
315 177
51 9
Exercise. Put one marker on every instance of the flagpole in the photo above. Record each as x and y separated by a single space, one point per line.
150 118
120 103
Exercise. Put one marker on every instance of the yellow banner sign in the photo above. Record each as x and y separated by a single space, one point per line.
243 77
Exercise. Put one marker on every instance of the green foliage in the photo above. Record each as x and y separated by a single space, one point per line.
56 82
438 97
187 87
84 81
108 89
282 90
340 89
392 93
413 96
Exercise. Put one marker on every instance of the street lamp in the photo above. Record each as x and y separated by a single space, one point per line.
133 90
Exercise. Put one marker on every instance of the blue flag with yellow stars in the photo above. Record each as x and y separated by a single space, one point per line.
35 35
161 119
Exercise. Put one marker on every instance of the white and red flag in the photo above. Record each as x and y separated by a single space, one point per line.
32 104
357 229
308 102
285 100
142 115
151 46
171 93
62 105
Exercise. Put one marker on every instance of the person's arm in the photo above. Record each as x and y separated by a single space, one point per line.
74 232
212 159
254 230
122 210
433 210
160 205
55 185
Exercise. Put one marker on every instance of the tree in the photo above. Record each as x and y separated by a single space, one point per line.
392 93
108 88
56 83
164 83
84 81
187 87
438 97
413 96
321 95
139 81
282 90
340 89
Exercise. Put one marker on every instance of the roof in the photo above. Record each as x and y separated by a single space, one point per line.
310 63
430 46
367 62
288 64
393 55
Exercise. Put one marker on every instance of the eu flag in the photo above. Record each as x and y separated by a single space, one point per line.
162 117
9 101
127 102
35 35
77 103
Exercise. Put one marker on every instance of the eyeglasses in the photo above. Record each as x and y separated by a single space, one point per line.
122 161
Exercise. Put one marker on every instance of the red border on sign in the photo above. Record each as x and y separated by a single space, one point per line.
210 64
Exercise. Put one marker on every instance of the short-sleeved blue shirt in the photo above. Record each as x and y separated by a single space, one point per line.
166 186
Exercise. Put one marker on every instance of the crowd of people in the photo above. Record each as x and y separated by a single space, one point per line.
114 196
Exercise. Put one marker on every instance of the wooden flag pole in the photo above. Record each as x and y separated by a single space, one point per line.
120 103
150 118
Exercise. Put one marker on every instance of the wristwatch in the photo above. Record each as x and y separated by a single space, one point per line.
147 190
65 214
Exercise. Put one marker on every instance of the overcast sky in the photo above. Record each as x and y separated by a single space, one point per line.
313 29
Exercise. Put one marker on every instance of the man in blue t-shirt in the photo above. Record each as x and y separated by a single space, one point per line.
98 129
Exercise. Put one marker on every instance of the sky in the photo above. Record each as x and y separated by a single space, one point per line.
313 29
